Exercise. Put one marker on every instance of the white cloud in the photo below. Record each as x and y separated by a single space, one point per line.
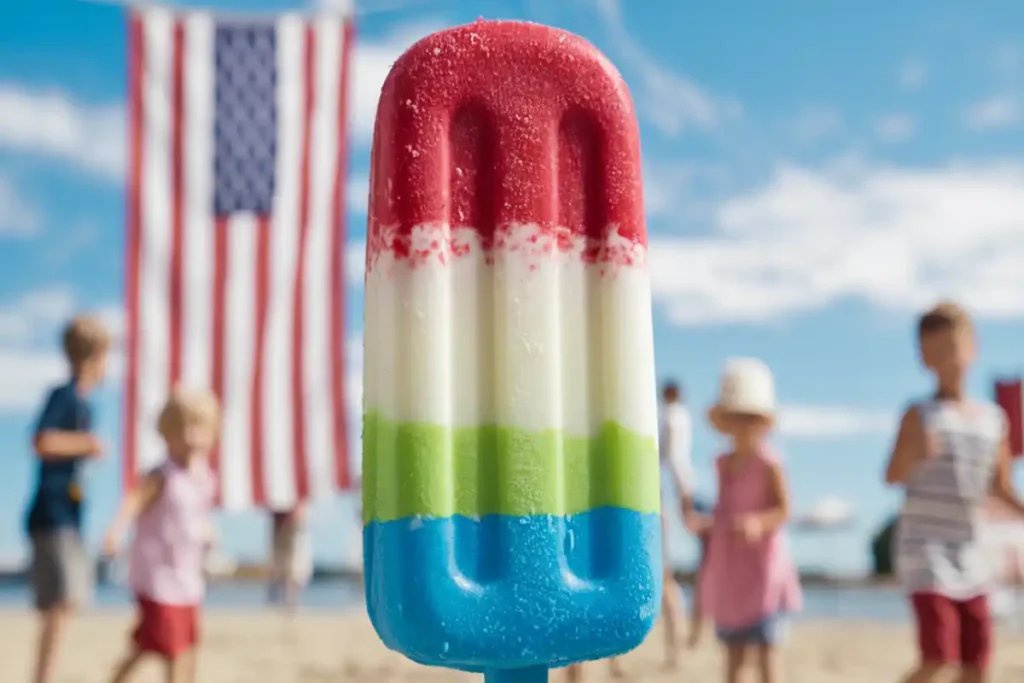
832 422
30 355
912 75
815 123
371 61
27 374
896 238
91 136
50 123
895 127
999 111
17 217
28 319
341 6
671 101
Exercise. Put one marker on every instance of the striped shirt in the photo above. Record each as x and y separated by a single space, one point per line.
938 538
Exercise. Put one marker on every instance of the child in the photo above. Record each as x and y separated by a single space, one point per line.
674 449
171 508
61 574
749 581
951 452
292 563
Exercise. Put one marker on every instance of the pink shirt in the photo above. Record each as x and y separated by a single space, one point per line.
742 583
169 547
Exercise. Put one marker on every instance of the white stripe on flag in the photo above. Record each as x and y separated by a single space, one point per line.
320 409
277 429
239 323
197 267
153 328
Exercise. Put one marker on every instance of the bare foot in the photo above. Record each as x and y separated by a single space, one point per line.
615 669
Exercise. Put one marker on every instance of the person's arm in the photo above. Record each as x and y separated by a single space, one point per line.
909 449
135 503
53 441
778 514
58 444
1002 482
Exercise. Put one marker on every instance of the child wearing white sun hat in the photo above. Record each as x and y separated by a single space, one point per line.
749 580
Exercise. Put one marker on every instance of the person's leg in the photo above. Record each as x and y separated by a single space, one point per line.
127 665
574 673
735 660
670 599
182 668
938 637
767 664
767 636
975 639
175 669
51 626
696 610
615 669
669 603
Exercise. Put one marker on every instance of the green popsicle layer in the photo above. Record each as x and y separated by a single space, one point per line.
415 469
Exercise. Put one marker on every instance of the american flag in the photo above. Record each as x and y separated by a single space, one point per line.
1010 395
235 238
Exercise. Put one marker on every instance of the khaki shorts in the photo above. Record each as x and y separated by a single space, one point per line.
61 573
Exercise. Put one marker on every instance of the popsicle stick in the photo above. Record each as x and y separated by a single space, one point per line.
533 674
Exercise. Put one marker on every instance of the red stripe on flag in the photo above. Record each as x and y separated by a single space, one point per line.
1010 396
338 288
133 237
218 322
298 385
176 295
262 292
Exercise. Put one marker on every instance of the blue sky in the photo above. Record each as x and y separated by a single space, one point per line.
814 176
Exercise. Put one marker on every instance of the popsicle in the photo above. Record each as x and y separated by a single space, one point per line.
510 491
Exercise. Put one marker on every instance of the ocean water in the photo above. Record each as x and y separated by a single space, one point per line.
883 604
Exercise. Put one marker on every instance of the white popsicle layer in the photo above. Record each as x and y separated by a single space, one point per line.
527 333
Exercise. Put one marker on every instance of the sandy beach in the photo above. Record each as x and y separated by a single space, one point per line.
262 647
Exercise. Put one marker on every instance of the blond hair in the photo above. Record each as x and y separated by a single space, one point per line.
185 408
944 316
85 338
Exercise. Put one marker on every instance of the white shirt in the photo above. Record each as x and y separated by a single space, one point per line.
939 535
675 443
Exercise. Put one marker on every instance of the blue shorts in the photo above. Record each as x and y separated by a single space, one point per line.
767 631
702 506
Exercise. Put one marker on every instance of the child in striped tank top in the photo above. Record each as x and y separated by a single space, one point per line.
951 454
171 510
749 580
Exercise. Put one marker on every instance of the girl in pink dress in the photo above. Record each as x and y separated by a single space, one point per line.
171 510
749 580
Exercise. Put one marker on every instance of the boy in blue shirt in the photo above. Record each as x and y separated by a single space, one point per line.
61 571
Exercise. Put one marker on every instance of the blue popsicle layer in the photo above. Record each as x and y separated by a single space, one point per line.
511 592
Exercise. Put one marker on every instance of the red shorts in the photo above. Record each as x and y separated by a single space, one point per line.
166 630
953 631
